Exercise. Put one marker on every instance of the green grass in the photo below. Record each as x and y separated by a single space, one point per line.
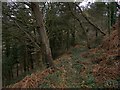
44 85
53 78
73 77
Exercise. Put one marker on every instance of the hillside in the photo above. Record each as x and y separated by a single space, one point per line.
60 44
80 68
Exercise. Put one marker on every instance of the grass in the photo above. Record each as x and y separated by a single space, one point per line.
74 71
70 75
21 76
52 79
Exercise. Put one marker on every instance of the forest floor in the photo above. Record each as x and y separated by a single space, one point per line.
78 68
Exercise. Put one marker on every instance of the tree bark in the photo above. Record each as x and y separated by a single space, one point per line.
46 52
17 70
73 37
118 31
25 59
118 36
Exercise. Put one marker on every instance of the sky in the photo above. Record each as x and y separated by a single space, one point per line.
85 2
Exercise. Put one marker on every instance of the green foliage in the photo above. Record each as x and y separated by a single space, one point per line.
111 83
97 42
96 55
44 85
76 54
77 67
90 79
54 78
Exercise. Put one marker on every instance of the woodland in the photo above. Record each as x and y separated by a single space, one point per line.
60 45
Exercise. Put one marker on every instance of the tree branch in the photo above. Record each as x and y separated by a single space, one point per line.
27 35
117 5
76 17
89 20
88 45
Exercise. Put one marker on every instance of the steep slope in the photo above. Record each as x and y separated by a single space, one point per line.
80 68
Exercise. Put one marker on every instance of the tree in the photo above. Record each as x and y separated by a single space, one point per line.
119 36
80 22
46 52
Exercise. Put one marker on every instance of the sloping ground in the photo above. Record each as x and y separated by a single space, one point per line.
32 80
67 74
80 68
111 42
106 67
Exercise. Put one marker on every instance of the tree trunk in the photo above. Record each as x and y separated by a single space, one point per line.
73 38
118 36
118 30
73 33
11 70
25 59
96 33
31 60
113 10
109 19
46 52
17 70
67 40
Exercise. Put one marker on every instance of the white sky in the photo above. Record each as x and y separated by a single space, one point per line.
85 2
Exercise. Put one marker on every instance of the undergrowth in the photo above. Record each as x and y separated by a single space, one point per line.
69 76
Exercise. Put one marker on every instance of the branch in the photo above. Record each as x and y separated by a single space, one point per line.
77 20
28 4
89 20
87 38
76 17
27 35
117 5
